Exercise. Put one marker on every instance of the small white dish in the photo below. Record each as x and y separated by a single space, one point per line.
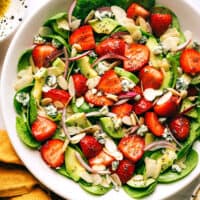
14 15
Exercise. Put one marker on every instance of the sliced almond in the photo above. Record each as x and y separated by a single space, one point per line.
93 82
86 177
62 82
71 87
106 181
58 104
74 130
79 101
75 24
133 119
127 120
46 101
96 179
77 138
112 97
98 167
92 129
116 180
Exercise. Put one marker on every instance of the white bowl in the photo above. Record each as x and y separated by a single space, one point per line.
189 17
14 15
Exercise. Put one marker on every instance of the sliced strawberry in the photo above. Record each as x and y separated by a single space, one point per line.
136 10
190 61
151 77
132 147
125 170
84 37
167 105
122 110
102 159
138 56
110 83
90 146
153 124
97 100
142 106
180 127
57 95
52 153
138 90
80 84
111 45
160 23
41 53
43 128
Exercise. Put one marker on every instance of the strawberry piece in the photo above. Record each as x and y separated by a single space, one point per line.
110 83
138 90
167 105
111 46
90 146
132 147
142 106
160 23
80 84
180 127
102 159
57 95
122 110
190 61
153 124
138 56
136 10
84 37
97 100
151 77
41 53
125 170
52 153
43 128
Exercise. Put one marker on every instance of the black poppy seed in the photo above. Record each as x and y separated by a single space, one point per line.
12 17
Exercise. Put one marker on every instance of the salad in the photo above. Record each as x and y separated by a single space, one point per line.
109 95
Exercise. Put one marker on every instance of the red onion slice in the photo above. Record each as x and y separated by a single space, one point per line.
87 167
188 109
159 145
184 45
127 95
71 9
79 56
109 56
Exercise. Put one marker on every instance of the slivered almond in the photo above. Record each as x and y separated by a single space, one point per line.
71 87
116 180
46 101
127 120
77 138
62 82
112 97
133 119
58 104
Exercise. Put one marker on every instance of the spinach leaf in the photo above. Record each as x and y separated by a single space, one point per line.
62 170
170 176
24 132
63 33
55 17
24 60
138 193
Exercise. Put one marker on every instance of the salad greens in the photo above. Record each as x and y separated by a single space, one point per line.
106 97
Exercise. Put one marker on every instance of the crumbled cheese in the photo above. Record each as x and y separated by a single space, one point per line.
51 110
103 14
79 101
115 165
167 134
56 43
39 40
150 94
183 82
176 168
127 85
101 68
51 80
23 98
142 130
93 91
117 122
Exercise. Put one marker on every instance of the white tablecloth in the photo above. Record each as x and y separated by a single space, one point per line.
33 5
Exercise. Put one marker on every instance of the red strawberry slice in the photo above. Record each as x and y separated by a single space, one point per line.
110 83
84 37
136 10
122 110
52 153
102 159
132 147
41 52
180 127
160 23
125 170
80 84
57 95
153 124
151 77
138 90
142 106
111 46
97 100
190 61
90 146
138 56
43 128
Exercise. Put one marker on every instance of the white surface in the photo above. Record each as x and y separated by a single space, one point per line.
59 184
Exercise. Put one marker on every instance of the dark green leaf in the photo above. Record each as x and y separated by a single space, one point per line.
24 60
55 17
63 33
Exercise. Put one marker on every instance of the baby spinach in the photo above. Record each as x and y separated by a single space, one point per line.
170 176
138 193
55 17
63 33
24 132
94 189
62 170
24 60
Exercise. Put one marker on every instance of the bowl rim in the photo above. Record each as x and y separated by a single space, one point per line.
3 102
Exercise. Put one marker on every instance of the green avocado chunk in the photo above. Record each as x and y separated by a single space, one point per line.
187 104
168 80
108 126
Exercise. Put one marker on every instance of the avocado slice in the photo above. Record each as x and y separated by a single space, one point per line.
108 127
73 167
126 74
58 68
104 26
168 80
152 44
187 104
85 67
78 119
